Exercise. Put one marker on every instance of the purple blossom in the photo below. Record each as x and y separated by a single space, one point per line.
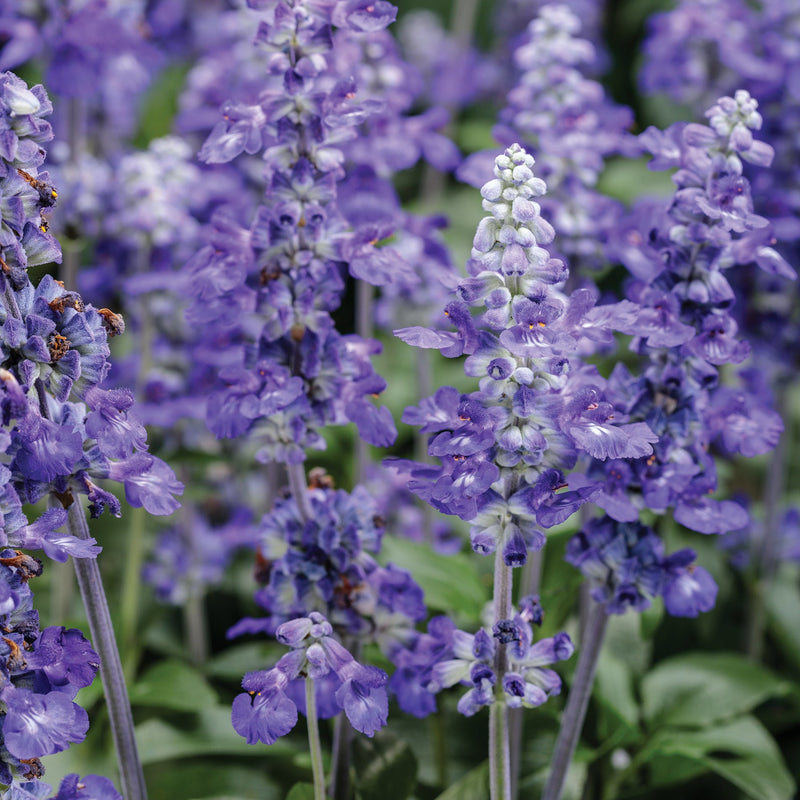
266 712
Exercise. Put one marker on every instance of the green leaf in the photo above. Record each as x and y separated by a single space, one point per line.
783 600
451 583
385 766
198 780
235 661
473 786
174 685
698 689
212 734
301 791
740 751
614 690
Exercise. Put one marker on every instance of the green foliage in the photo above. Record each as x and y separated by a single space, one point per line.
301 791
740 751
385 767
209 732
451 583
473 786
173 685
697 689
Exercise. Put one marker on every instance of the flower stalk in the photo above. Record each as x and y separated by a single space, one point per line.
120 715
499 742
578 702
314 746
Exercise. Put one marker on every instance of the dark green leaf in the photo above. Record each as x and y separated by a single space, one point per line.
301 791
741 751
175 685
212 734
198 780
451 583
783 600
699 689
614 690
234 662
473 786
386 768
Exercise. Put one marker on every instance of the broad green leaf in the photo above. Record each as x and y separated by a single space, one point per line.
614 690
650 619
212 734
208 780
451 583
301 791
473 786
741 751
698 689
235 661
783 600
174 685
386 768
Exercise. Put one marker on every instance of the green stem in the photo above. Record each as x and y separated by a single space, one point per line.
578 701
365 316
499 744
766 554
439 742
120 716
314 746
340 758
131 583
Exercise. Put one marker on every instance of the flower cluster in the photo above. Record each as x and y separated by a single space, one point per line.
470 660
61 433
566 120
504 448
268 708
685 325
273 287
326 564
625 562
42 671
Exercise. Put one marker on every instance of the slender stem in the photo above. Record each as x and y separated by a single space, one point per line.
766 554
76 138
439 746
340 759
299 488
365 323
423 370
577 703
131 582
135 541
529 584
195 623
314 746
90 584
499 746
499 766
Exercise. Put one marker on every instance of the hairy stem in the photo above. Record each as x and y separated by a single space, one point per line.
90 584
298 485
579 693
340 758
499 746
314 746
